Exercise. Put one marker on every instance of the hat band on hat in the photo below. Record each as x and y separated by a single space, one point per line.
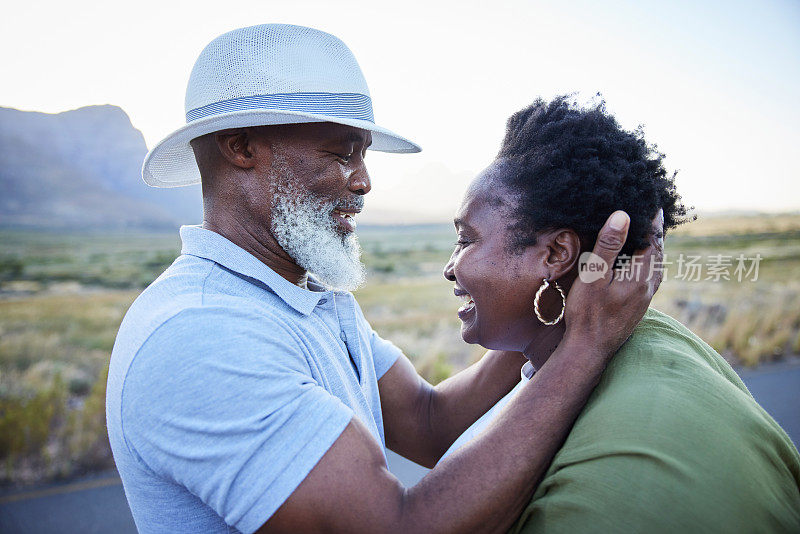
339 105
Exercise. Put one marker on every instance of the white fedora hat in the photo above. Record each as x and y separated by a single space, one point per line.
263 75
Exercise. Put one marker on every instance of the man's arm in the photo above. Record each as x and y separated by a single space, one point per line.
483 486
480 488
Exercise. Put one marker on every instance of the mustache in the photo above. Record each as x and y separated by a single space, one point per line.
350 204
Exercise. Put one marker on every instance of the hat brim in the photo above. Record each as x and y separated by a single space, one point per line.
171 162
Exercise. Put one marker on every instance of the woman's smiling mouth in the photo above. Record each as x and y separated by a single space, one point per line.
468 305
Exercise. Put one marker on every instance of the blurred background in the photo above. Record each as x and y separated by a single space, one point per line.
89 86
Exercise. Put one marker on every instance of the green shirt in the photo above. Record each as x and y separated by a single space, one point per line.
670 441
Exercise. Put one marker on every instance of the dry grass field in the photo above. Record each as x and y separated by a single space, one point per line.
62 298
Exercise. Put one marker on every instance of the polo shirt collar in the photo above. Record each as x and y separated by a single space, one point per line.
204 243
527 371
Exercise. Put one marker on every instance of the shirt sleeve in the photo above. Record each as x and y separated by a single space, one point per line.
384 352
222 402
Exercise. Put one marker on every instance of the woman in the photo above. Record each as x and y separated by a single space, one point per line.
671 440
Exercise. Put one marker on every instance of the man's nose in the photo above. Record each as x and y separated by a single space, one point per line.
360 183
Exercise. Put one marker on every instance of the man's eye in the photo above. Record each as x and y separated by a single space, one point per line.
345 157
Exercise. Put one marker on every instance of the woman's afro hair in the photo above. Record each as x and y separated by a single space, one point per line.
573 166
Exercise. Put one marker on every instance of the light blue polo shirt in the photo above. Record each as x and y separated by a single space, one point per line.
228 383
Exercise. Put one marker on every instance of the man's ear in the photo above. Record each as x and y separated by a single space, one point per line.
563 251
238 147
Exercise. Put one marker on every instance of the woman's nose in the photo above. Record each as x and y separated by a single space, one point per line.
448 269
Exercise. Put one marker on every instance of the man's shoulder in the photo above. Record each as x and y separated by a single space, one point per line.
188 345
199 291
188 325
212 340
187 311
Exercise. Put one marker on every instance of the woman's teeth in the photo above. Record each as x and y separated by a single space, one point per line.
468 302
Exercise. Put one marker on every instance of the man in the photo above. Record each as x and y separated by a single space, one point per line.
245 394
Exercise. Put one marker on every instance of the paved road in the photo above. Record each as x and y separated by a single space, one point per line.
93 505
777 388
97 504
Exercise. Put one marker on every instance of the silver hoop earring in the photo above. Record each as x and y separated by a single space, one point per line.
545 285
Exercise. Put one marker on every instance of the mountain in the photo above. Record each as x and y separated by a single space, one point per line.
81 170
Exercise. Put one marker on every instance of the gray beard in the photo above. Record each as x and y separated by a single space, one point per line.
304 227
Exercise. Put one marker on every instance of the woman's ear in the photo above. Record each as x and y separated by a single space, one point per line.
563 251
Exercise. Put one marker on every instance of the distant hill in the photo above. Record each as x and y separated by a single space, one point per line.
81 169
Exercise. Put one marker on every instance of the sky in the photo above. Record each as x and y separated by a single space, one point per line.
715 84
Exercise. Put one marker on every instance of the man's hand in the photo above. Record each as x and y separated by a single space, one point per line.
603 313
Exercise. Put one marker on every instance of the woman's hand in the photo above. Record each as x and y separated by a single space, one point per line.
602 311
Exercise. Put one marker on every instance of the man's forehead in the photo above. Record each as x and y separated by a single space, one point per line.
323 132
355 135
